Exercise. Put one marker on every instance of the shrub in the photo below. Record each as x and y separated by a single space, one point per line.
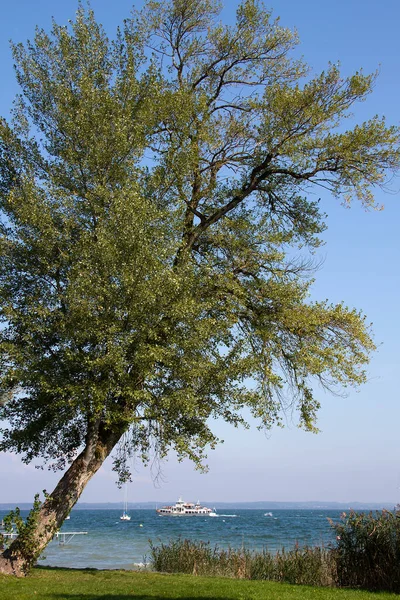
368 550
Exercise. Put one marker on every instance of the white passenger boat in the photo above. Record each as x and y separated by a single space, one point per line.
185 509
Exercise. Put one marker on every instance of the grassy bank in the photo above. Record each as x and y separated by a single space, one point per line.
70 584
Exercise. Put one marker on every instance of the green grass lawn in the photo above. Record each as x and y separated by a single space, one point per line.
69 584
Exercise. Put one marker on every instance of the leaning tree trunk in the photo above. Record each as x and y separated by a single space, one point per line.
26 548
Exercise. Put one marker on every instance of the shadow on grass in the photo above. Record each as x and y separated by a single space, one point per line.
132 596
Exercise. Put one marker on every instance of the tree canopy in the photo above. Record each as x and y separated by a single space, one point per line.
155 194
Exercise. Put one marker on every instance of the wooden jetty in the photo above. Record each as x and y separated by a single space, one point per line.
11 535
64 537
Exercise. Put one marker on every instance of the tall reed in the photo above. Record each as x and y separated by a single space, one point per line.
198 558
307 566
367 552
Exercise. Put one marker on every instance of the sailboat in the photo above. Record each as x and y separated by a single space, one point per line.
125 516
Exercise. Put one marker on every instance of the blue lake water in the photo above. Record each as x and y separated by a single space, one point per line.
114 544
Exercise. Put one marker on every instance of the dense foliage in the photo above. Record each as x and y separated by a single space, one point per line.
153 193
25 529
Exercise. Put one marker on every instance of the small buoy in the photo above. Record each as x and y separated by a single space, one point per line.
140 525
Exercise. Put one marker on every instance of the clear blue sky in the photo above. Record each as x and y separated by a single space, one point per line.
356 457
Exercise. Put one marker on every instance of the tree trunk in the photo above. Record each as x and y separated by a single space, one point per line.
26 548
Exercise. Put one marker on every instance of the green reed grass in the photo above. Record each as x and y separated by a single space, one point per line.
306 566
367 552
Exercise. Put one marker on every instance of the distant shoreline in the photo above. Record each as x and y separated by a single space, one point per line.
260 505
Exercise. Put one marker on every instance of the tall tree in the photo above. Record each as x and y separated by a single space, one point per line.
154 201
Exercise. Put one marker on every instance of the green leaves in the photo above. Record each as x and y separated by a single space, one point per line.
152 211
